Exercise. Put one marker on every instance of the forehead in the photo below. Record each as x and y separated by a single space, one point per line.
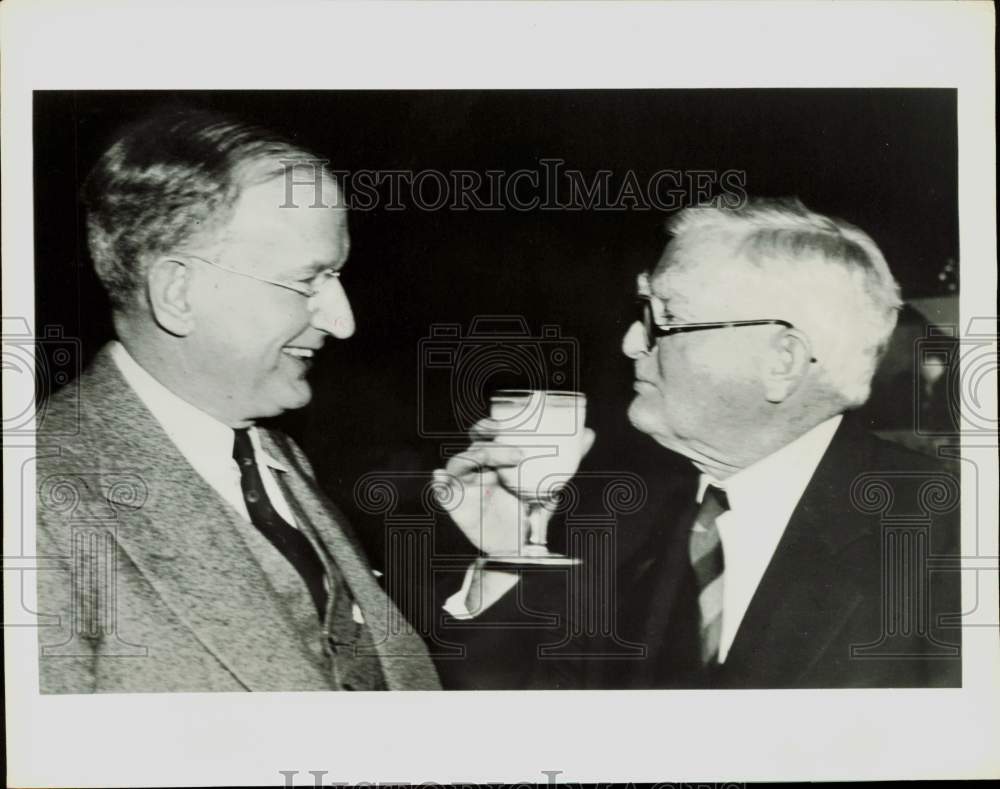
687 264
265 225
706 279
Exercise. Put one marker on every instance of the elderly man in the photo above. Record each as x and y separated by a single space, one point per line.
189 549
802 553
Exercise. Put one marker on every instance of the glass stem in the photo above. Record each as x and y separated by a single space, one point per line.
538 522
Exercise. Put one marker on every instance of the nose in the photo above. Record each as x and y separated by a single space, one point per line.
634 341
330 310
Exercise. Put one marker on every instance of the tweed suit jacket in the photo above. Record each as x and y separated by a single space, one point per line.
147 585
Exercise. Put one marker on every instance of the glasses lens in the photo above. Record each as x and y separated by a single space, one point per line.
646 318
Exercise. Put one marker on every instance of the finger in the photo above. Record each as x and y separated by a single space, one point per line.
589 437
482 477
484 428
470 461
480 456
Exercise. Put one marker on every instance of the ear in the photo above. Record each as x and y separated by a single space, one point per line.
168 282
785 365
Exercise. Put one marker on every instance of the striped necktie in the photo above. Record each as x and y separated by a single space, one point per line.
705 549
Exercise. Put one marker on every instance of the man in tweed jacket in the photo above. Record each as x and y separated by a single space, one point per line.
158 574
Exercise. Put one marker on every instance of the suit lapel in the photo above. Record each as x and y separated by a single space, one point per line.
186 542
652 585
807 593
403 655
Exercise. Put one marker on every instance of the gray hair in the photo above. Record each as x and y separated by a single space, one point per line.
824 275
169 177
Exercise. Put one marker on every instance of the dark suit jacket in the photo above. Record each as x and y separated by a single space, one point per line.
862 591
149 585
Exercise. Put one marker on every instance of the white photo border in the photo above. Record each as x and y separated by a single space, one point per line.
232 739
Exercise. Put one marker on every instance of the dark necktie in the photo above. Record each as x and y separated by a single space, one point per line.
292 543
707 561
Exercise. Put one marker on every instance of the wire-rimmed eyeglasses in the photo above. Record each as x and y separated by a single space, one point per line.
304 288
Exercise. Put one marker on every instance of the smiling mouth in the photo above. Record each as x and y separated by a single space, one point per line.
299 353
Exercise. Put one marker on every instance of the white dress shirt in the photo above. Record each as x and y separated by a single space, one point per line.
205 442
762 498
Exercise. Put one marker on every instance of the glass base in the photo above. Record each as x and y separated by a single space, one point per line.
535 556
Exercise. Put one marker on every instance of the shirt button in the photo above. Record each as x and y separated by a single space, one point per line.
253 496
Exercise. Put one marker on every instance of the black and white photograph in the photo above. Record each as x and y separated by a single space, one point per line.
551 402
582 282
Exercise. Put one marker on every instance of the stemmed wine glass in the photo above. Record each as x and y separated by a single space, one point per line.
548 427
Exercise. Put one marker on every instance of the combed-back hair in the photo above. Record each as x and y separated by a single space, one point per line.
824 275
168 177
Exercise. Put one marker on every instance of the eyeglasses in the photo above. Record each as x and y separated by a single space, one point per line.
654 328
308 289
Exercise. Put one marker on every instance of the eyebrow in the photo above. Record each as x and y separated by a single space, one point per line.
668 314
312 269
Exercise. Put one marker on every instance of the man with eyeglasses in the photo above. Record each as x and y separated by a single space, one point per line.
805 552
186 548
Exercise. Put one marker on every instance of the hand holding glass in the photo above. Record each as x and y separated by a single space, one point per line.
548 427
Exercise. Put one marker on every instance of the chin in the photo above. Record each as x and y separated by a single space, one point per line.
640 417
298 399
648 418
290 399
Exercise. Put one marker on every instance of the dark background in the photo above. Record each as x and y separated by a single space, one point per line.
885 160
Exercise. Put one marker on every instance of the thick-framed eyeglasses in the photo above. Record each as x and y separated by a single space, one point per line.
304 288
654 329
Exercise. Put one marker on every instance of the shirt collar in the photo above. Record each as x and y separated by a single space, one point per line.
261 453
197 434
785 472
